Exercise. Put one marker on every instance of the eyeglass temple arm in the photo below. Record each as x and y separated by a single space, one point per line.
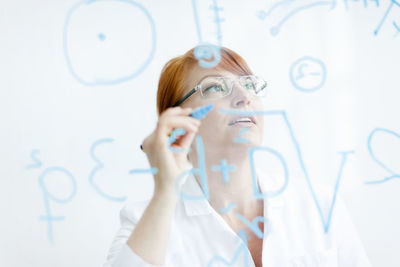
186 96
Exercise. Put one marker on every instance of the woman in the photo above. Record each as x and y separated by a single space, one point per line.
212 218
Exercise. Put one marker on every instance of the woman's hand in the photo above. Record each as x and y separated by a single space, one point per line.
168 163
149 239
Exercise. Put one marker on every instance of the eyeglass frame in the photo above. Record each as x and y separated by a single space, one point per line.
197 87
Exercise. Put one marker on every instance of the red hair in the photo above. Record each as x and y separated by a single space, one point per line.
172 79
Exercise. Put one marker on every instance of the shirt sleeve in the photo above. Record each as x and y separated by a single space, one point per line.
120 254
351 252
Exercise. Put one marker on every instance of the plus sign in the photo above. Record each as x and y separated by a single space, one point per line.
224 168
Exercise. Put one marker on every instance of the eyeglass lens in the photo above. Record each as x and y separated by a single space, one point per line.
216 87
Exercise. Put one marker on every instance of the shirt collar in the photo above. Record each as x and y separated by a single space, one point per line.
193 189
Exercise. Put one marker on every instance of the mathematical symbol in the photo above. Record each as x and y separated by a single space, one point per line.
224 168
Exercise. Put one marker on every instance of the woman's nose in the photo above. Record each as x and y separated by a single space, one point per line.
241 97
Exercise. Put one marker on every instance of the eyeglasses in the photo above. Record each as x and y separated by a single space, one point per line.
214 87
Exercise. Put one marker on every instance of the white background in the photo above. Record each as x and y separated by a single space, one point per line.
56 112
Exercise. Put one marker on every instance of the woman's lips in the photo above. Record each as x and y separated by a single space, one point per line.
242 124
243 121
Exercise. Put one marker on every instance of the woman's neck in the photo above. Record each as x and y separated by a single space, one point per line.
229 180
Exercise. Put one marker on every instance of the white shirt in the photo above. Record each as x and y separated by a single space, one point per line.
294 235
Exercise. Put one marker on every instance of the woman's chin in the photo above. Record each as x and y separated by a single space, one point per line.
244 143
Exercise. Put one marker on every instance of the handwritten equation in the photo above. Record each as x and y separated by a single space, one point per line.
224 168
289 9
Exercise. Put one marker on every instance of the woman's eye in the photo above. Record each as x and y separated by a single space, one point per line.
250 85
213 88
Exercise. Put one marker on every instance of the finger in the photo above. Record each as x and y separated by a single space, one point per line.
167 125
182 147
186 140
179 136
177 111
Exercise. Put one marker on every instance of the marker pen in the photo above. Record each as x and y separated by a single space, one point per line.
198 113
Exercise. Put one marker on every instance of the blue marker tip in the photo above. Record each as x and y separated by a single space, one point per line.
201 112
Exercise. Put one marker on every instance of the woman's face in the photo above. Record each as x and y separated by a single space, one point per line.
219 130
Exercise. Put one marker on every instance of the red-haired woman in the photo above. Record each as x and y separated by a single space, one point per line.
172 230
